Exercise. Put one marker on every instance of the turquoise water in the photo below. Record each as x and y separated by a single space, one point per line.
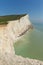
31 44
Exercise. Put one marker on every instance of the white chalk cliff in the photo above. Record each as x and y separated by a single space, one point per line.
9 35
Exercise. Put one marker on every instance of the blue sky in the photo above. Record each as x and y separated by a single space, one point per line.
32 7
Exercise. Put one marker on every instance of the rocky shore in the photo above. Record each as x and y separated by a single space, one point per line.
18 60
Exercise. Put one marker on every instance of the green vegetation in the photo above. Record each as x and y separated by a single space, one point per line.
5 19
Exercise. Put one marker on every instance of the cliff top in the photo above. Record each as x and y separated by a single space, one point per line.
4 19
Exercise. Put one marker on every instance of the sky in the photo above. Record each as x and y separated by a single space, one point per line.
34 8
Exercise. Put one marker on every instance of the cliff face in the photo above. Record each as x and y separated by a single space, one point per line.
20 26
12 32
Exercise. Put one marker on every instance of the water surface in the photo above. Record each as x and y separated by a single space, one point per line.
31 44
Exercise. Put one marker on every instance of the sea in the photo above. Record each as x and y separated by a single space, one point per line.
31 44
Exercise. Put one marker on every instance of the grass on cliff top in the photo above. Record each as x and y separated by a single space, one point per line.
5 19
